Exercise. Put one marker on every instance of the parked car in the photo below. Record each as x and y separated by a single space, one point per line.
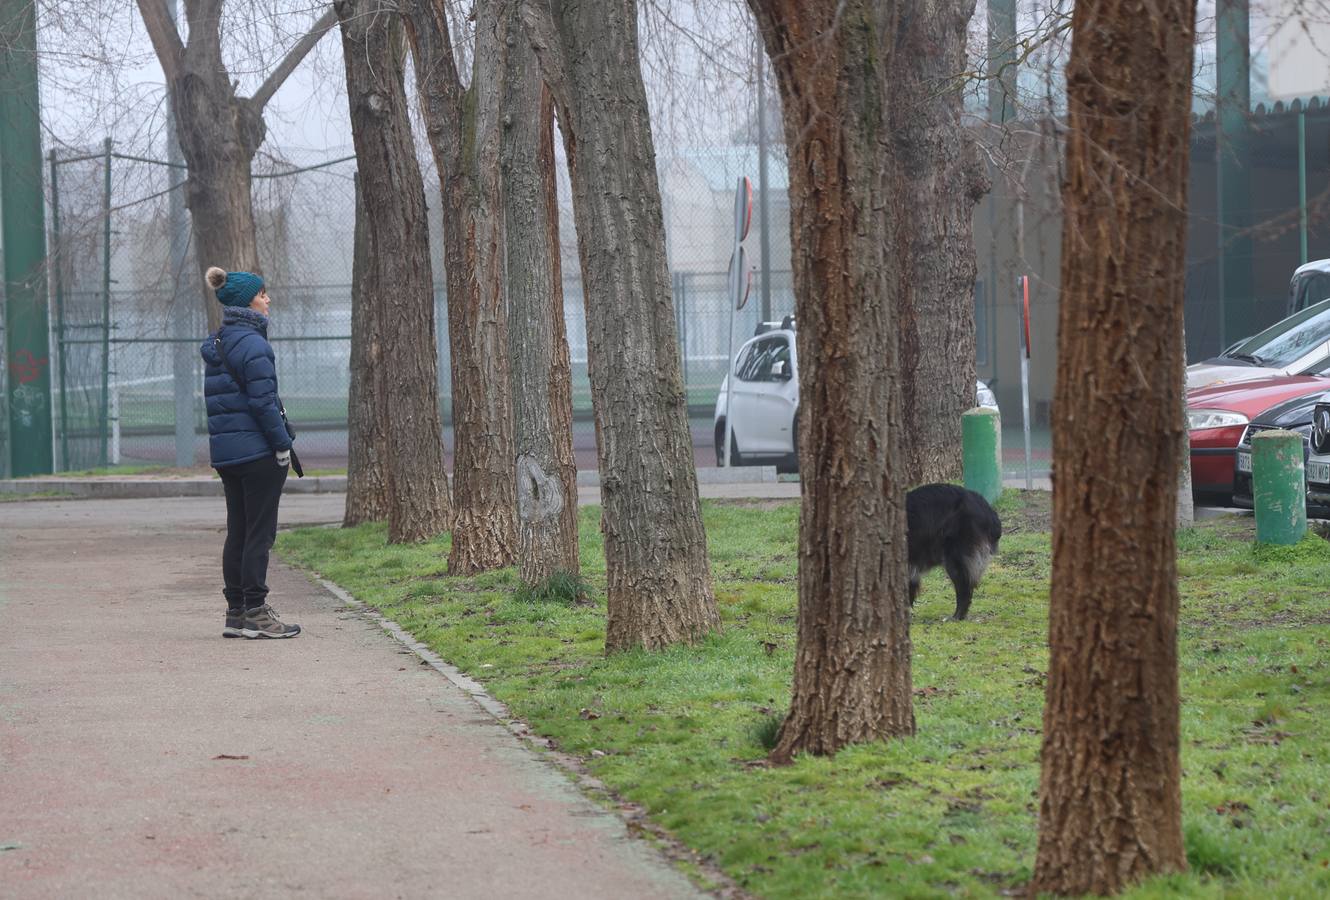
1318 457
1218 416
1297 345
1294 414
1309 285
766 400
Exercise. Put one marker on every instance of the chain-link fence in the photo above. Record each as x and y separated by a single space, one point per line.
128 310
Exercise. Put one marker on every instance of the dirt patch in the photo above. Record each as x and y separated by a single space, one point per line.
1030 512
754 502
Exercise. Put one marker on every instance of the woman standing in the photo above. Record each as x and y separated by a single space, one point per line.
250 448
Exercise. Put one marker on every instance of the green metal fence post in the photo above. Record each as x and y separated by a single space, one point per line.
1278 487
60 346
1302 185
1238 314
23 236
106 303
981 452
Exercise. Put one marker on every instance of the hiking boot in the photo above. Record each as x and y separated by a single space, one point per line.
262 622
235 623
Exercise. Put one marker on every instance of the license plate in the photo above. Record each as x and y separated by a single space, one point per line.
1318 472
1244 461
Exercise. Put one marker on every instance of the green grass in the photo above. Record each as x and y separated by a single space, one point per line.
36 495
950 812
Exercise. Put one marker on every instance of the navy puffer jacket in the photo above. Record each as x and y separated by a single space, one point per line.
244 423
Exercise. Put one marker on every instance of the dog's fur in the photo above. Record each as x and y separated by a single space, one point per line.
955 528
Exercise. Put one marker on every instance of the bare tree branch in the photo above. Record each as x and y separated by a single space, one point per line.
293 59
432 51
165 38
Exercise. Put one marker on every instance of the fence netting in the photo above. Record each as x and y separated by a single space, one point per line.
128 308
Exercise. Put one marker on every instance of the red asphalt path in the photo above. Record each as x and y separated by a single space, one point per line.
361 772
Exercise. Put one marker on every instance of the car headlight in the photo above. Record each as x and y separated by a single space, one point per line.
1200 419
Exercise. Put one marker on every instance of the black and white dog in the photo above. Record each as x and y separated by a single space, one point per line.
952 527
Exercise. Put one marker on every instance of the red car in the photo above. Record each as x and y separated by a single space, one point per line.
1218 414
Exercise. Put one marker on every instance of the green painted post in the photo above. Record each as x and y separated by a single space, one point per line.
1278 487
1238 314
981 452
1302 185
23 234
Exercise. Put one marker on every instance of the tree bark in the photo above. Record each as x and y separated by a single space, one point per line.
546 472
1110 795
659 580
940 179
219 133
396 278
464 134
367 433
852 658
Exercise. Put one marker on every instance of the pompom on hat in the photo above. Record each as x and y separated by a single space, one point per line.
234 288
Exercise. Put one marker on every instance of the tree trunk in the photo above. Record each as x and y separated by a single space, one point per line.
397 276
218 132
464 134
659 581
940 179
852 659
546 472
367 434
1110 795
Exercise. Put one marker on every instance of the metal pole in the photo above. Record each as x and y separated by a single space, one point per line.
763 210
729 380
1025 374
681 300
1237 317
106 302
1001 60
23 238
1302 184
54 263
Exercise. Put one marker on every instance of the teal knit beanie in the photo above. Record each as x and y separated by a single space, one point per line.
234 288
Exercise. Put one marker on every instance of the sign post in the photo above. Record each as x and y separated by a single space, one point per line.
1025 373
740 281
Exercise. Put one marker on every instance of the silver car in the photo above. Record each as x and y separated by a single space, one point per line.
766 400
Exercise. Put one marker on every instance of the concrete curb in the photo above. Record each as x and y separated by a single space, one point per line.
155 488
634 817
151 488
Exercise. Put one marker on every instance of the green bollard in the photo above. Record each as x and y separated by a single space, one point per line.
981 451
1278 487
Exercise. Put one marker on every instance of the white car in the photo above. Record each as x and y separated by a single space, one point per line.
766 400
1297 345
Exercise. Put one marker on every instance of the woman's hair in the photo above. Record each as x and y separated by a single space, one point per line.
216 277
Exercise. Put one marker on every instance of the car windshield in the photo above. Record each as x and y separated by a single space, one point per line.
1287 341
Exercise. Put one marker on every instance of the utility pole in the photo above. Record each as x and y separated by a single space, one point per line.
763 210
184 300
23 232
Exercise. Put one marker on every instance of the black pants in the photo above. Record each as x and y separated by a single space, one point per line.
253 490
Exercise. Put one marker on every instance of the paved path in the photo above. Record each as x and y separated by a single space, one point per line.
361 773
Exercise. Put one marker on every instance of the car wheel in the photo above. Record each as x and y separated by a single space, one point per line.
735 458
